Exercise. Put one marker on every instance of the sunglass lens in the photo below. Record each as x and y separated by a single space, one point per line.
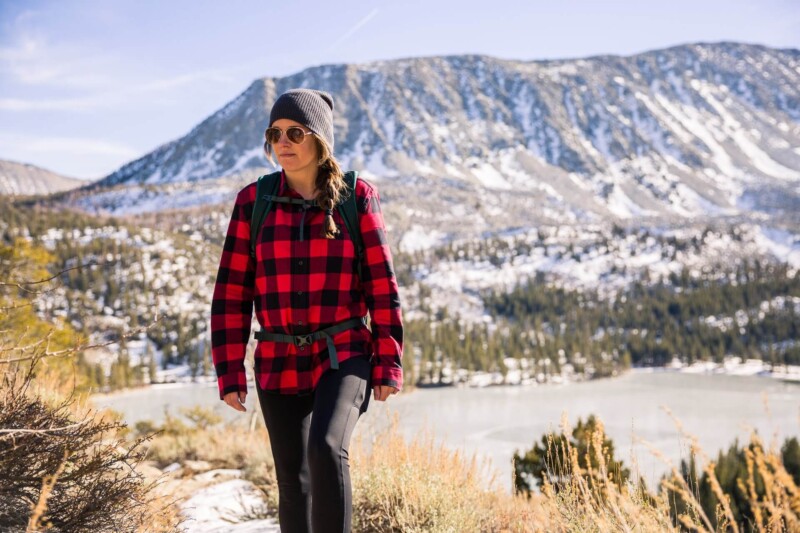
295 134
273 135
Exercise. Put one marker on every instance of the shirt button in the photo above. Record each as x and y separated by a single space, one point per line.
299 293
302 348
300 262
300 323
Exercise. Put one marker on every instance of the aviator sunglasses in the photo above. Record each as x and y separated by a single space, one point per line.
295 134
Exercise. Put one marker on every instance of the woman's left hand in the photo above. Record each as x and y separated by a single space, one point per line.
381 392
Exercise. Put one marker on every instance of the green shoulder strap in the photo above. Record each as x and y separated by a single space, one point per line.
349 212
267 186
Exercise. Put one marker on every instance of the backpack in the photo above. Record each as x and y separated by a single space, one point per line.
267 187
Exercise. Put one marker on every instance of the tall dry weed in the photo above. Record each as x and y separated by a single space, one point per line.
420 486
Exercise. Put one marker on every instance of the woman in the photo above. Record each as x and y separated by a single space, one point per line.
304 279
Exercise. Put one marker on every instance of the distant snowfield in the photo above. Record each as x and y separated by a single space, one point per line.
140 199
781 244
417 238
457 284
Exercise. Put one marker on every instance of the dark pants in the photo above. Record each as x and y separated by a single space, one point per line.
311 452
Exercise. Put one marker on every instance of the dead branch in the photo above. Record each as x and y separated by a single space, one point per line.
67 351
7 433
23 284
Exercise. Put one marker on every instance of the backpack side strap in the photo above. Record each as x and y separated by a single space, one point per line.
266 187
349 211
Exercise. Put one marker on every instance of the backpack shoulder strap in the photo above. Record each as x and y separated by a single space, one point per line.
349 212
266 188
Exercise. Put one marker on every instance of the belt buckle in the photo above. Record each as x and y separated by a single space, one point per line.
302 340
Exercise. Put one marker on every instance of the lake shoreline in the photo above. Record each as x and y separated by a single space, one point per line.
732 366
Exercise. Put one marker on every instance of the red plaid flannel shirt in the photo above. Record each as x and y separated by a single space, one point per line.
300 283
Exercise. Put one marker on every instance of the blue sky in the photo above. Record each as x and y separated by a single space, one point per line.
86 86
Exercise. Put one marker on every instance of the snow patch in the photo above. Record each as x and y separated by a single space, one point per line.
216 509
489 177
418 238
782 244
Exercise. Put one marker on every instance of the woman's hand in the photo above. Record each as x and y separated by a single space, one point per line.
236 400
381 392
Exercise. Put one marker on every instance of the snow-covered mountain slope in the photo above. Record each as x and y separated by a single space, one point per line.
694 130
25 179
603 258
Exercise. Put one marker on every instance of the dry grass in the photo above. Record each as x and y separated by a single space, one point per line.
424 487
419 486
776 510
235 445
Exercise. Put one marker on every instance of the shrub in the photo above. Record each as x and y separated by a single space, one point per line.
548 461
65 471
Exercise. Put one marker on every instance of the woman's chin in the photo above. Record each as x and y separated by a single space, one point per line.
291 164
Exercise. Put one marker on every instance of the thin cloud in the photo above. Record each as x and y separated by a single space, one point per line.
55 104
33 61
349 33
116 96
31 145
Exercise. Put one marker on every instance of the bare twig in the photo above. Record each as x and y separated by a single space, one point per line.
67 351
47 487
23 284
13 307
7 433
29 347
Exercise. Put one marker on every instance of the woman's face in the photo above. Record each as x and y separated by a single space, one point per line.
295 157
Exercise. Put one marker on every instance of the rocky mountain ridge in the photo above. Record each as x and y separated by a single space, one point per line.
694 130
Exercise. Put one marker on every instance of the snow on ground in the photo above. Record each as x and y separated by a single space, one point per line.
375 168
588 258
140 199
219 509
489 177
417 238
622 206
736 366
760 159
781 244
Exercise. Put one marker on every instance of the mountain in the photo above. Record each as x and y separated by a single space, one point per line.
597 174
691 131
23 179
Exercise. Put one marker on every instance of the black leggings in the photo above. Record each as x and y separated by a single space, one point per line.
311 452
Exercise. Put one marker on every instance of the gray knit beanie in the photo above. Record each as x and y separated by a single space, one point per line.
311 108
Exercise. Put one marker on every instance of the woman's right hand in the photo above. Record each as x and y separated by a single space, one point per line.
236 400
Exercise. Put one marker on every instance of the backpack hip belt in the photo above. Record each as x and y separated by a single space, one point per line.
307 339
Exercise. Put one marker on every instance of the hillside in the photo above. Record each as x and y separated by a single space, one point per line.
23 179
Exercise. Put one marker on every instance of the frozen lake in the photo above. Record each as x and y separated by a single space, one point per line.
495 422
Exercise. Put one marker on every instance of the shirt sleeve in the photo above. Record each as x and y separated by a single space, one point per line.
232 303
380 292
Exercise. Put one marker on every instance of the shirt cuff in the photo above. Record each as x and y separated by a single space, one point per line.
232 382
385 375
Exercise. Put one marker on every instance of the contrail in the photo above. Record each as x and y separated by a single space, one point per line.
354 29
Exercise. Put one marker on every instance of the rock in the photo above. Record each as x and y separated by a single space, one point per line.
149 471
219 474
196 467
174 467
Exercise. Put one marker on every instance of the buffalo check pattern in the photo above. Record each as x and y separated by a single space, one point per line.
299 283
